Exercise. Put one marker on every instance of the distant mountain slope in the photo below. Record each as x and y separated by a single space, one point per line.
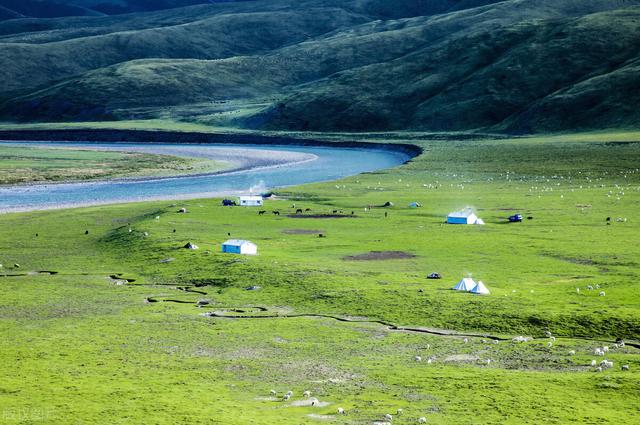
438 65
42 9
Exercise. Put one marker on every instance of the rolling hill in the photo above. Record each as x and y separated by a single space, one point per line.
513 66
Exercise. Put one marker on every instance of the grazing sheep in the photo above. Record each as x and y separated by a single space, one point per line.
466 340
388 417
597 286
578 290
495 342
598 369
593 363
289 393
340 411
590 288
605 349
399 412
146 234
547 334
286 397
182 210
307 394
488 362
429 360
483 341
572 352
621 344
418 358
16 266
549 344
553 338
314 401
272 392
602 294
625 367
422 420
157 217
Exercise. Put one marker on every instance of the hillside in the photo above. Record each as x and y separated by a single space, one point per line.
442 65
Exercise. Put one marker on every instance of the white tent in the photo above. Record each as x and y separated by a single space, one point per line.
480 289
466 216
466 284
250 201
239 246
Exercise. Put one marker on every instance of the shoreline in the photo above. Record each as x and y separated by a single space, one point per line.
192 137
240 163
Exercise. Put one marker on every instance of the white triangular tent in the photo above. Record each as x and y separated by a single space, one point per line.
480 289
466 284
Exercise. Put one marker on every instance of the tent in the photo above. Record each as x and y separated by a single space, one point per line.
251 201
239 246
466 284
480 289
466 216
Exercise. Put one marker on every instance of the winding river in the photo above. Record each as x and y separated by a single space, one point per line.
253 168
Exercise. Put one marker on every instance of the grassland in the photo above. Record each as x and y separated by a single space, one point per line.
36 164
83 346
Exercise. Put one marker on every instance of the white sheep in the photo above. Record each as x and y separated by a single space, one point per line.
422 420
625 367
547 334
552 338
495 341
466 340
483 341
549 344
429 360
272 392
313 401
590 288
572 352
388 417
340 411
602 293
597 286
598 352
599 369
488 361
399 412
593 363
578 290
307 394
286 397
605 349
621 344
418 358
289 393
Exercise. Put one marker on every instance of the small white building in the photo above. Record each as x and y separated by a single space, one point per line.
239 246
466 216
250 201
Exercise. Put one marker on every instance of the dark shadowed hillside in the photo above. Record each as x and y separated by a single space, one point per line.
357 65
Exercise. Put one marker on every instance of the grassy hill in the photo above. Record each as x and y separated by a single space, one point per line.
441 65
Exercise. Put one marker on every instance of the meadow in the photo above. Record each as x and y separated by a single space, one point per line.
36 165
115 334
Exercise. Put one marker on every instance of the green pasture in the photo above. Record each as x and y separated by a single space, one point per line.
81 346
38 164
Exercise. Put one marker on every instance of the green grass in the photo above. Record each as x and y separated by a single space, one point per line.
77 347
35 164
